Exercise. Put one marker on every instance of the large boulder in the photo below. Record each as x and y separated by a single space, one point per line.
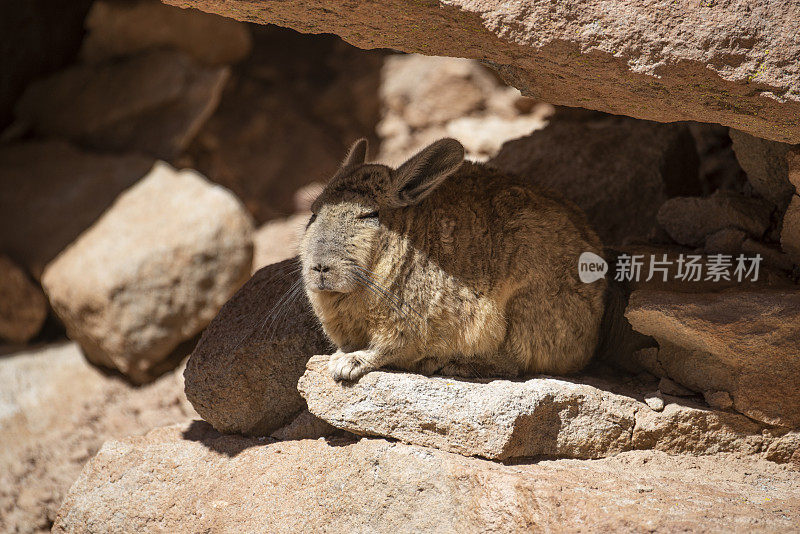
602 163
50 192
124 28
154 102
732 63
23 307
152 271
242 376
742 342
56 410
539 417
192 479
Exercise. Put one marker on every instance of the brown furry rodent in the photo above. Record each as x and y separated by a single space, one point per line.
448 266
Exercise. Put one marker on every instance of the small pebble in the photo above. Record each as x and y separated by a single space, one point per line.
655 402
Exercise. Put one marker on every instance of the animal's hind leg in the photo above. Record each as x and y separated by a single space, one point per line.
549 333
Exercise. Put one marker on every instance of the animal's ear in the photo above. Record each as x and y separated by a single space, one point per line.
357 155
423 173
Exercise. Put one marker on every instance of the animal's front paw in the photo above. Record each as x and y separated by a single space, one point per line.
350 365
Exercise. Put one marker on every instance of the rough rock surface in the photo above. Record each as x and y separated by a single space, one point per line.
540 417
56 410
427 98
734 63
121 29
605 162
154 102
50 192
23 307
192 479
152 271
741 342
306 426
242 376
688 220
765 164
277 240
790 232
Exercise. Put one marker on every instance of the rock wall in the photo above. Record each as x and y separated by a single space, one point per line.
733 63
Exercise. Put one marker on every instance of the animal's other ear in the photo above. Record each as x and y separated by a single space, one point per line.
423 173
357 155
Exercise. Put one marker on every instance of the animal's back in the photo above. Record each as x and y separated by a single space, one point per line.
490 264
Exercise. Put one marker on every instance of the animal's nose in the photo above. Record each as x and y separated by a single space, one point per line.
320 268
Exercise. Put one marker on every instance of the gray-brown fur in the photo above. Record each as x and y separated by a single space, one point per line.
466 271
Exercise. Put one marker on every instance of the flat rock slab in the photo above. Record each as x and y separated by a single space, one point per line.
193 479
734 63
744 342
540 417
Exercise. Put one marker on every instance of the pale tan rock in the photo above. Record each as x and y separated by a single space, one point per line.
154 103
483 137
655 402
426 98
540 417
152 271
743 342
123 29
306 195
277 240
192 479
500 419
23 307
50 192
688 220
56 410
733 63
682 428
601 163
426 91
242 376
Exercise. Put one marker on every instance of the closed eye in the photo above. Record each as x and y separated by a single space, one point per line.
311 220
370 215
